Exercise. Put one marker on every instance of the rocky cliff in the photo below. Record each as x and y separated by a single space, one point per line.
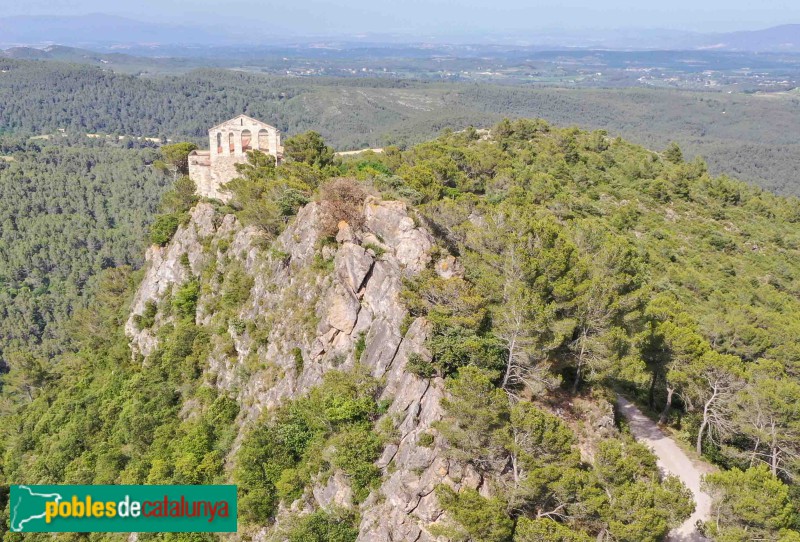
313 305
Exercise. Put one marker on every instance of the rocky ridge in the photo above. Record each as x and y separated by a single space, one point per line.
310 303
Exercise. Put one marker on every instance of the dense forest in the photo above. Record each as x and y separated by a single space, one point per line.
67 211
91 200
591 266
750 136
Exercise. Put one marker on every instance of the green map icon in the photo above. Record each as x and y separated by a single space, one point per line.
28 507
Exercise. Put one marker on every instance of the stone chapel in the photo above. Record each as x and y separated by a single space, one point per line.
228 144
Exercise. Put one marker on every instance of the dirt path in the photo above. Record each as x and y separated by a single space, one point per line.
674 461
350 153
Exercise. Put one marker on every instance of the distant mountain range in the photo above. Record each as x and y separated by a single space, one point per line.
778 38
109 33
97 29
784 38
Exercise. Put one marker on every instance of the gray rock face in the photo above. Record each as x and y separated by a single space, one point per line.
389 221
352 265
335 493
166 269
304 312
343 307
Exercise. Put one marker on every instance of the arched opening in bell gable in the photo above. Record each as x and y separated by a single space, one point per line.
246 140
263 140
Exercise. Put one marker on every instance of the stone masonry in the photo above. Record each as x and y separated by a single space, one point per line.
228 145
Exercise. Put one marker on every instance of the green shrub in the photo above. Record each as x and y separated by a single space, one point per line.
408 319
163 228
260 461
236 288
290 485
309 148
238 325
546 530
360 346
297 354
322 264
357 448
753 502
258 505
377 250
321 526
420 366
279 458
148 317
185 300
482 519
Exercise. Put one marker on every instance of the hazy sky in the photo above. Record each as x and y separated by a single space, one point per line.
439 16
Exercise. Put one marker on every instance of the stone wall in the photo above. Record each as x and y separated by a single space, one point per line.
200 173
213 168
233 129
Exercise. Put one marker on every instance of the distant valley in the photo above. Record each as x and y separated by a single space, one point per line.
751 136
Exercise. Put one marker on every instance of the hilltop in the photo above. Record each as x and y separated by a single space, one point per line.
427 344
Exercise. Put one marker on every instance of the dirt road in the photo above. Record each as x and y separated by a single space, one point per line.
673 461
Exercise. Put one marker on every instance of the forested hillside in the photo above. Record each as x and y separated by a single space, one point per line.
427 343
750 136
67 211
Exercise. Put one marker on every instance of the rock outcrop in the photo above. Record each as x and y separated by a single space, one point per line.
311 301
